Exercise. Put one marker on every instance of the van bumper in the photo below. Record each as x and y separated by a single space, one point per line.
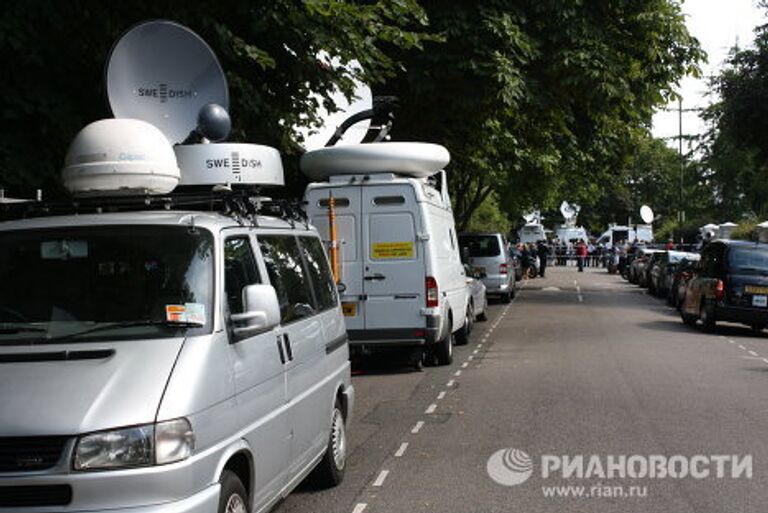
394 338
741 315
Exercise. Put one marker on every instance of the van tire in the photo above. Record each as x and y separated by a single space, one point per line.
330 471
444 350
232 498
506 298
462 335
482 316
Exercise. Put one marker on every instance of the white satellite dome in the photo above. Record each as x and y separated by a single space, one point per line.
120 157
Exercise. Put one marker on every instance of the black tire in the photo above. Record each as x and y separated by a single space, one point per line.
330 471
482 316
757 329
707 316
506 298
444 350
462 335
233 496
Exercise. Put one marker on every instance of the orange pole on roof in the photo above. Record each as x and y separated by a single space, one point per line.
333 251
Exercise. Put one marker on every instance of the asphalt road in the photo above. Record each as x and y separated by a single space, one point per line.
581 364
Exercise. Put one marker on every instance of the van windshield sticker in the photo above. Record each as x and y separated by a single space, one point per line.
392 250
187 313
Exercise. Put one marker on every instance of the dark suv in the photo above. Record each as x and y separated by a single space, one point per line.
731 285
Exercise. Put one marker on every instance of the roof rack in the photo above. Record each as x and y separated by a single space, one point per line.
243 205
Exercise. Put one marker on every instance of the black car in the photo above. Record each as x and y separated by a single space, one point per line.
660 280
684 272
644 275
731 285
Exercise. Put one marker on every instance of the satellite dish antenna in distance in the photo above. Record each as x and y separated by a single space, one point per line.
163 73
646 213
362 100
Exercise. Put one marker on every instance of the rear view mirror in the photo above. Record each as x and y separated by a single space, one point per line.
262 311
341 287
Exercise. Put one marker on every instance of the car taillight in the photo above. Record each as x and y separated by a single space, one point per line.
503 269
719 290
431 288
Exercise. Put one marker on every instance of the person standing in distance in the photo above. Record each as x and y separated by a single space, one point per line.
543 251
581 254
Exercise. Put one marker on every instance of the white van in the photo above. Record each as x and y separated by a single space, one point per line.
166 350
400 259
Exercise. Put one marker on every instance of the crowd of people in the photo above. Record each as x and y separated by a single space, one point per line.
534 258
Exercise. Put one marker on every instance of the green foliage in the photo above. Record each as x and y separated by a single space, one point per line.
489 218
747 230
57 51
735 153
541 101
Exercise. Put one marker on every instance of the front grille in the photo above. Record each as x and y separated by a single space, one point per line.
27 454
32 496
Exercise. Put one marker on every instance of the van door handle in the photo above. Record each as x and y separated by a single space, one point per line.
376 277
288 350
280 349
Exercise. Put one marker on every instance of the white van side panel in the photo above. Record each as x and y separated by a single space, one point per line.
445 263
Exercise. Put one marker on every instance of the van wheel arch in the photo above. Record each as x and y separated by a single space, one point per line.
241 464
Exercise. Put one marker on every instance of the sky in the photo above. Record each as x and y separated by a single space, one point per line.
718 25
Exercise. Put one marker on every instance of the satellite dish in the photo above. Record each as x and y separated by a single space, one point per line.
163 73
646 213
362 99
570 212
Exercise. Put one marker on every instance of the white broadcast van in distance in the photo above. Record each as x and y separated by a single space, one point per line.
404 282
165 349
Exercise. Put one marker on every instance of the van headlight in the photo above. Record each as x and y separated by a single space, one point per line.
137 446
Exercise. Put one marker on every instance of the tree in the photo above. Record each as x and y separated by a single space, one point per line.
540 101
57 51
735 153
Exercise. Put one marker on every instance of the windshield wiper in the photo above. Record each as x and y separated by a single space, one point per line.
12 329
127 324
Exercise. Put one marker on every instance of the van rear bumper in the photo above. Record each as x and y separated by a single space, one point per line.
741 315
393 337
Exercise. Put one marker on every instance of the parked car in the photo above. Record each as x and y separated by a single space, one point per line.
164 357
644 275
684 272
660 280
637 266
731 286
478 301
489 254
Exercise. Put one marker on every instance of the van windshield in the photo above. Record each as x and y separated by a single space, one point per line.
105 283
749 259
480 245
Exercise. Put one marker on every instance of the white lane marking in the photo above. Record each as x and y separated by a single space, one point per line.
450 383
464 365
753 353
441 395
722 337
417 427
401 450
475 351
742 347
360 507
479 346
457 373
382 476
430 409
731 341
765 360
470 358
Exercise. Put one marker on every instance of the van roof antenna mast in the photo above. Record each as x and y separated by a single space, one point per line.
382 113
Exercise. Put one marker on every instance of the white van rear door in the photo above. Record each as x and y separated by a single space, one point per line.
349 233
393 272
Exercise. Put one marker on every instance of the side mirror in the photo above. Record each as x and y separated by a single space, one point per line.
262 311
341 287
465 254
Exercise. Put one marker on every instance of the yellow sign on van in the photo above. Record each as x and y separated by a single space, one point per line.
385 250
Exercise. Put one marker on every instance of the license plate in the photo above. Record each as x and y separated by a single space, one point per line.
349 309
754 289
760 301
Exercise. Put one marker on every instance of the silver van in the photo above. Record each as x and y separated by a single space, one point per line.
488 255
167 361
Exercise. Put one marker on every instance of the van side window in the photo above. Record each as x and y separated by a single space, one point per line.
283 261
239 270
319 273
339 203
388 201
